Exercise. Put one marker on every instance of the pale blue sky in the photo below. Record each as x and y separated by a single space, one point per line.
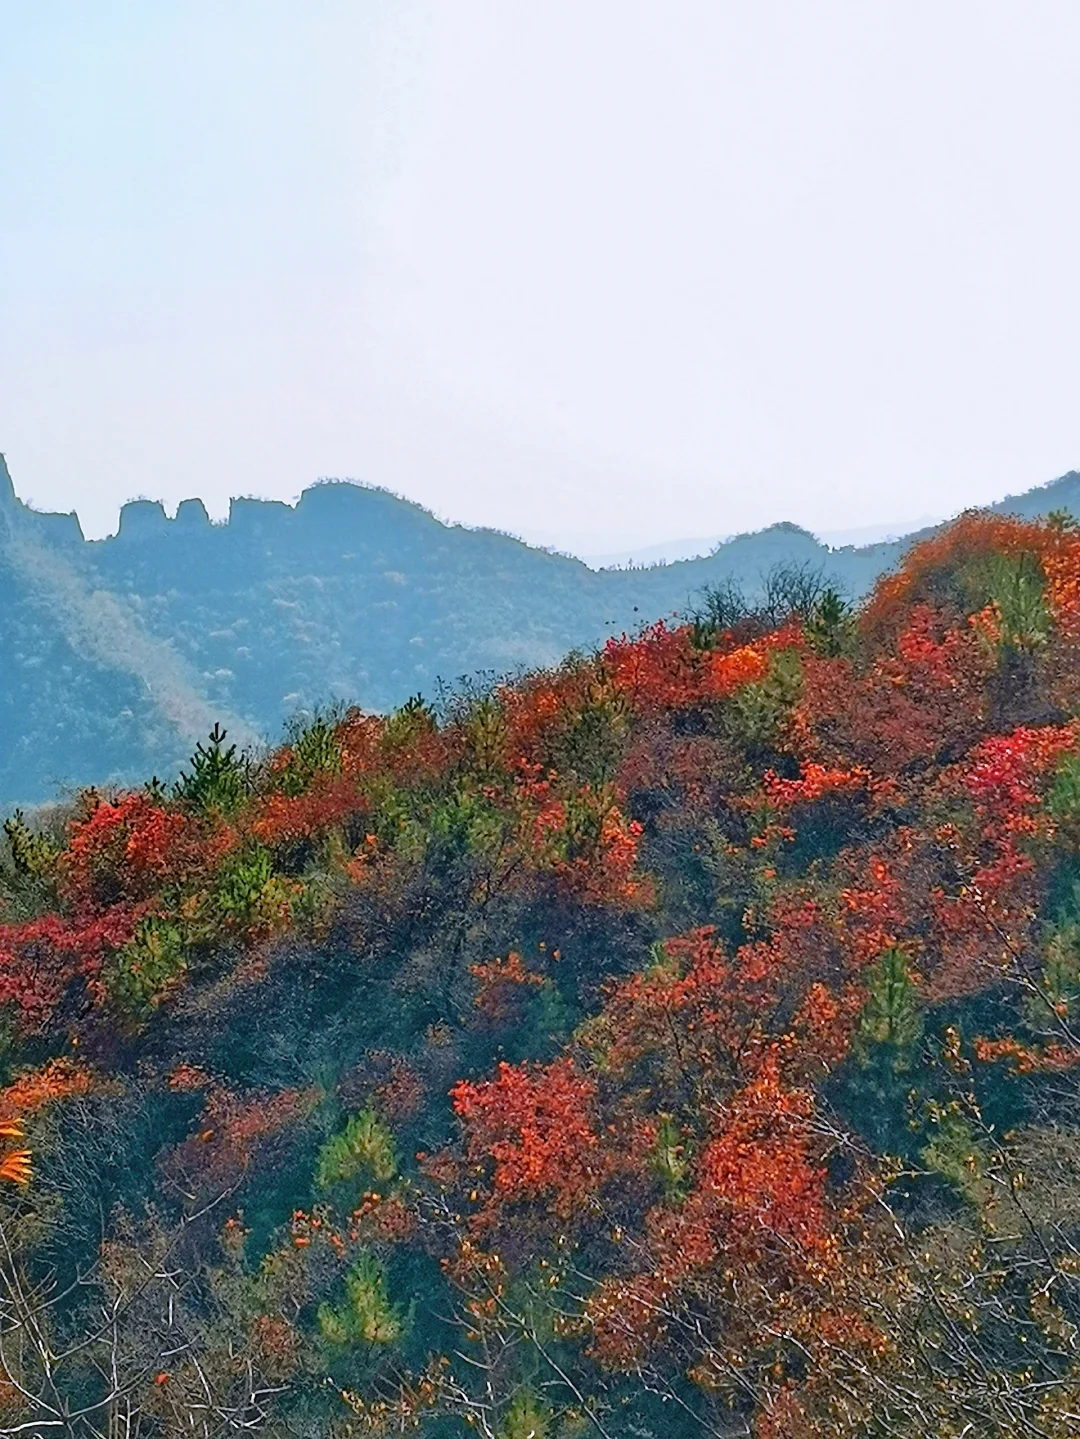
598 272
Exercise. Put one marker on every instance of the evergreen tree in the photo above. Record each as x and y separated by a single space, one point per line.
217 779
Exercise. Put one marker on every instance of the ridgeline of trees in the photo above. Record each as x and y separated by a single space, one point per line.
682 1041
118 654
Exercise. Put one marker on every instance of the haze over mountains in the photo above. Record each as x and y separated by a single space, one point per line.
119 654
670 551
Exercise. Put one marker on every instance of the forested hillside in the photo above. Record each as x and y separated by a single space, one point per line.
679 1041
119 653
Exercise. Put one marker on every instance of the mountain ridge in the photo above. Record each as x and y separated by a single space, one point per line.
120 650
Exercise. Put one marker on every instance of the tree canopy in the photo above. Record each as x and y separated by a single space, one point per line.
683 1040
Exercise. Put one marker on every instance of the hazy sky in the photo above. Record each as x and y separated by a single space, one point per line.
596 272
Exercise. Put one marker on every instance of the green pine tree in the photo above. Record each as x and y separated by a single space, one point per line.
892 1015
526 1418
670 1159
32 853
217 779
364 1145
831 624
1058 997
366 1314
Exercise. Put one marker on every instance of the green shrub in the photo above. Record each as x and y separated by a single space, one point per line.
316 750
364 1145
146 967
366 1314
526 1418
892 1015
249 893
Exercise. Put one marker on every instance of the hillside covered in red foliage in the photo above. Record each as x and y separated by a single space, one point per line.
680 1042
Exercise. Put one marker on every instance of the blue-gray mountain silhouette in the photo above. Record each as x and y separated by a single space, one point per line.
118 654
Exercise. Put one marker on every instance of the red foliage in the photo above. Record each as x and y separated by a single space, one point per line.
874 912
535 1127
928 654
720 1014
1002 772
233 1127
981 923
126 850
42 960
538 709
658 669
758 1210
589 845
969 538
907 706
280 818
757 1176
500 984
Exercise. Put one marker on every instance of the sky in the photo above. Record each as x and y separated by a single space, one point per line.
600 273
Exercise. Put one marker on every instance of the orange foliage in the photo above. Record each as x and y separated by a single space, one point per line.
758 1208
815 781
16 1168
535 1127
1027 1059
186 1078
125 849
971 537
541 706
232 1127
57 1079
658 669
15 1164
661 670
759 1167
743 666
731 670
280 818
500 982
590 847
1061 564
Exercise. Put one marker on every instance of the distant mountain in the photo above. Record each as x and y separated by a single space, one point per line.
671 551
668 552
119 653
874 534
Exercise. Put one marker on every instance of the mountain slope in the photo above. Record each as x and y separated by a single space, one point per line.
120 651
680 1043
